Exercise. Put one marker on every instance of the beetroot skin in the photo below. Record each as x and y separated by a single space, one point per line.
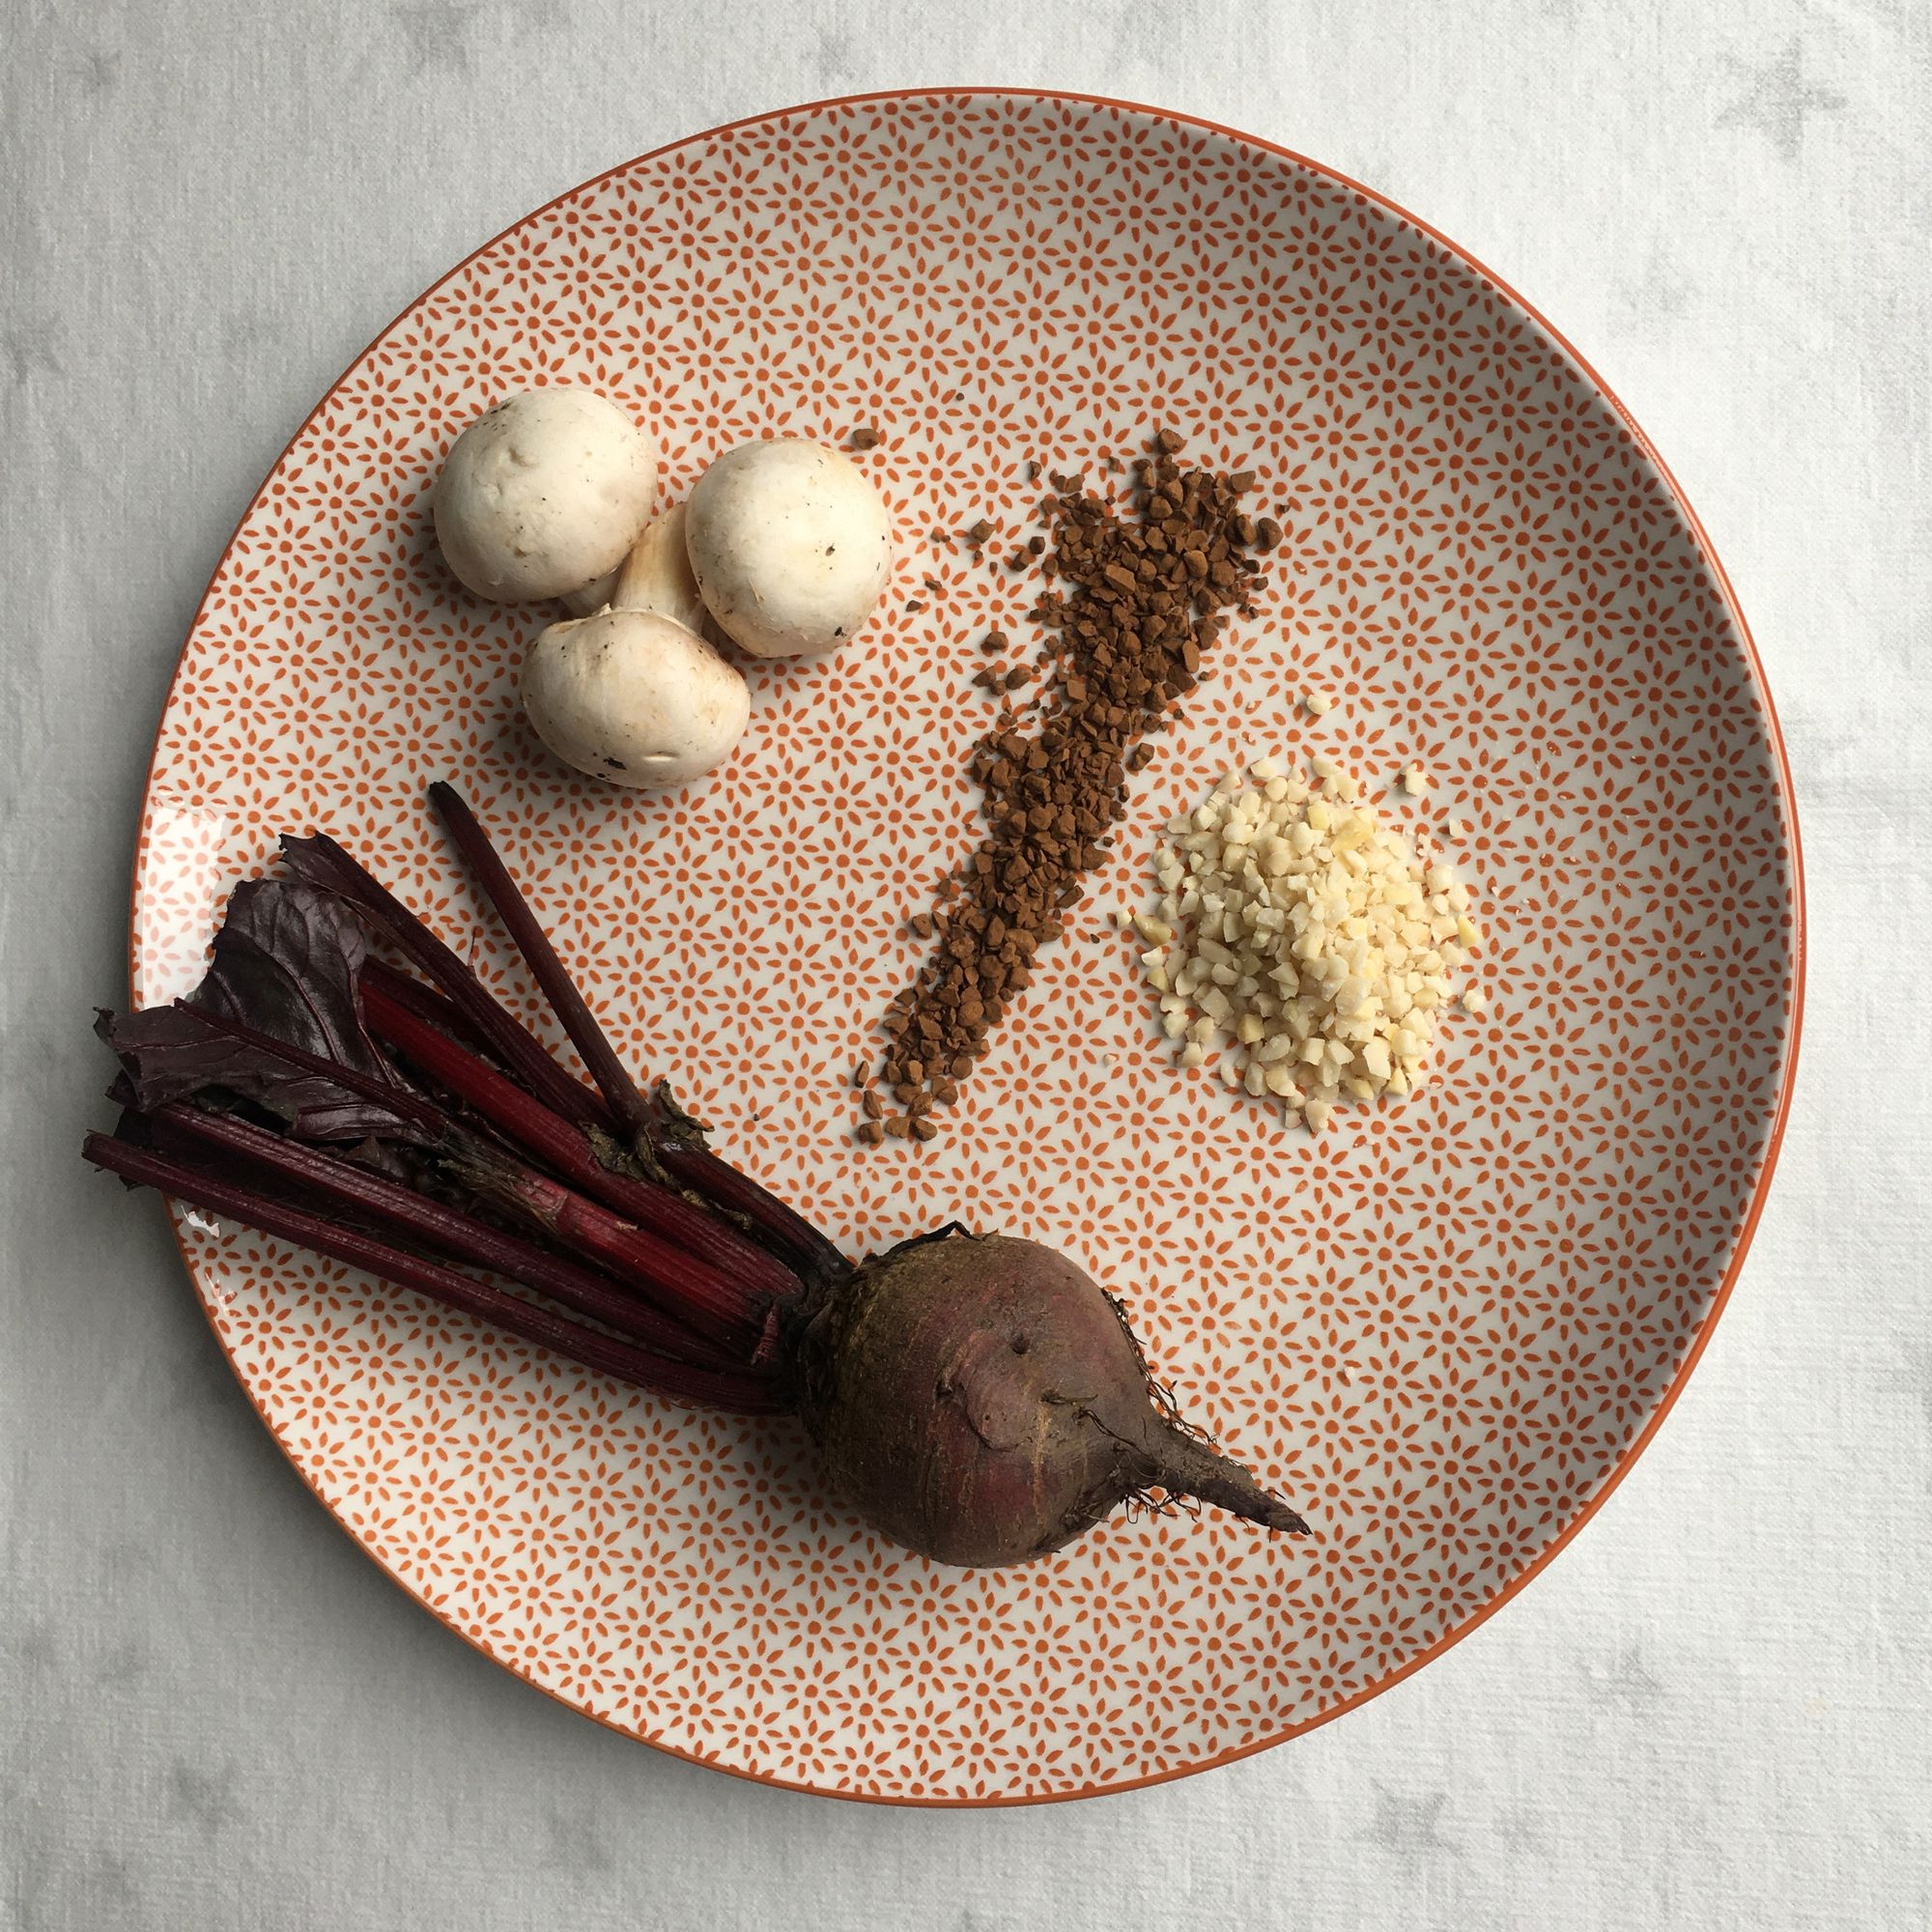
982 1401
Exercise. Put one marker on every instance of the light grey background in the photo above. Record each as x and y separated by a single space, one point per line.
1714 1710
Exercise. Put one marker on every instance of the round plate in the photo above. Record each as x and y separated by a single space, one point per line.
1443 1330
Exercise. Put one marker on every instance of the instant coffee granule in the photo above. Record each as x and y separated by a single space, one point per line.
1132 604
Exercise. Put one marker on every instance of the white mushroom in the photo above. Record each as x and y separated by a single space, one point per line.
790 545
632 697
544 493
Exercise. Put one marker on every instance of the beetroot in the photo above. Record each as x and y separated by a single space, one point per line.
975 1398
982 1401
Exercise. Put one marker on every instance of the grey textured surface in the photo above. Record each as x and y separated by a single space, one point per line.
1715 1709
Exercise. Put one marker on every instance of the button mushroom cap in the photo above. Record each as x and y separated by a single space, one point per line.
634 699
544 493
790 545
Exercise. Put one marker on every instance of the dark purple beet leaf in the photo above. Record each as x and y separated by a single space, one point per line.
285 963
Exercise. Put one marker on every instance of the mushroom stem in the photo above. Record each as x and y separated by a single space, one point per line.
656 576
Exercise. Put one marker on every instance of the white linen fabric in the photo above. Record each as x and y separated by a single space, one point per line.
1715 1709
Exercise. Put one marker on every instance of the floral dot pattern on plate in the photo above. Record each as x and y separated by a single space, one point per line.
1440 1331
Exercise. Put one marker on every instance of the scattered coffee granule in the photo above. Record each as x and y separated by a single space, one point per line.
1132 604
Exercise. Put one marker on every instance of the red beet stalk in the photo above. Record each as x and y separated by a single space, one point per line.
693 1164
669 1274
416 1216
638 1257
728 1282
614 1081
679 1149
430 1006
326 864
643 1368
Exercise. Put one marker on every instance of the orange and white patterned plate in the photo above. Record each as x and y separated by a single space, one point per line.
1444 1330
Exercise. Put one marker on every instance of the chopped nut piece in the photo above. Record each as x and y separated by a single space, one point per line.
1317 704
1310 934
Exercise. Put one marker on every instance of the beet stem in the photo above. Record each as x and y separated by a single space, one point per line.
607 1354
681 1151
640 1259
728 1282
508 1038
693 1164
415 1214
427 1003
621 1092
433 1010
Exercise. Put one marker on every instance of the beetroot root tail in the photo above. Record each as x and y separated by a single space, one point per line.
1186 1466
